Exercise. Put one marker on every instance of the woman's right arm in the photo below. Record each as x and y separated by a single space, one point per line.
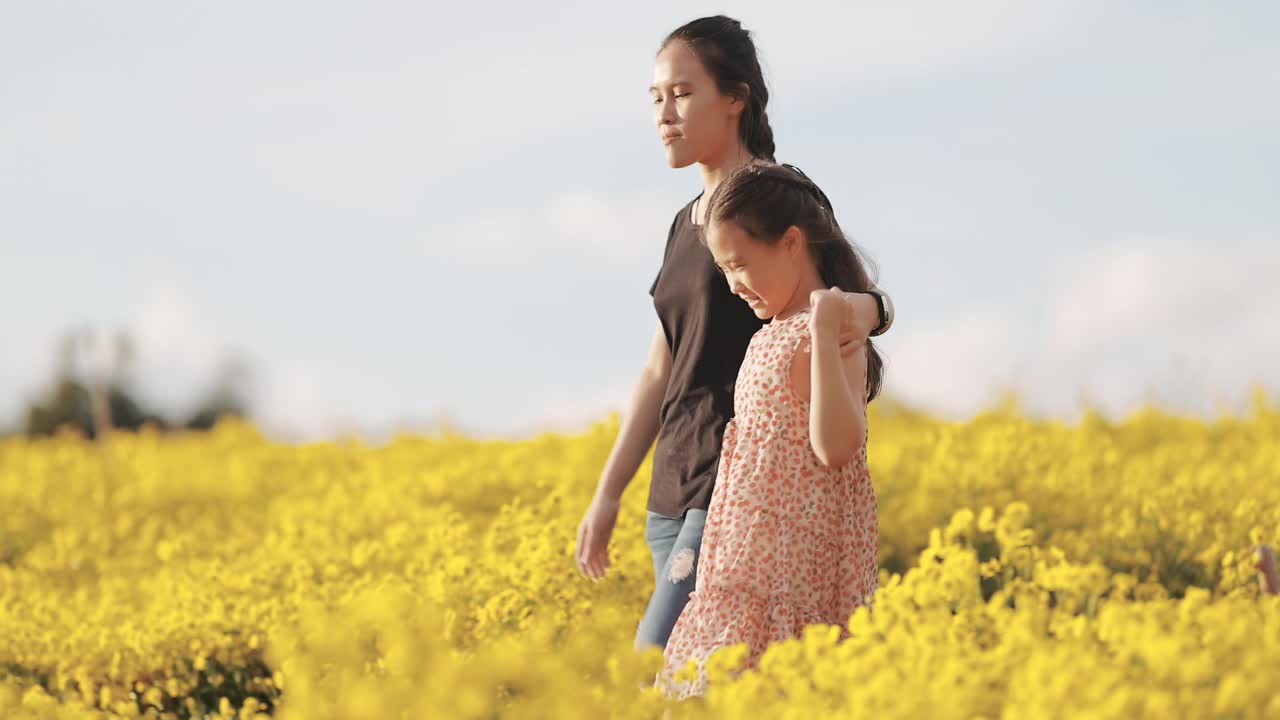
635 436
640 424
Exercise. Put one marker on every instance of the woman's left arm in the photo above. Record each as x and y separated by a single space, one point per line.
866 315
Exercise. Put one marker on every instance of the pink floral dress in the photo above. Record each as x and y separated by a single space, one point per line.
788 542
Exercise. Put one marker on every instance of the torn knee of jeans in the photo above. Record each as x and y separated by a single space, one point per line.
681 565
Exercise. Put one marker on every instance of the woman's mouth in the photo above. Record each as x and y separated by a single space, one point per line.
754 302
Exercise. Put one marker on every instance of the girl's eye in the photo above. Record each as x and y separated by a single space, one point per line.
685 95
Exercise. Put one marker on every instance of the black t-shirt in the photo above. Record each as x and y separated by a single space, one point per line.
707 329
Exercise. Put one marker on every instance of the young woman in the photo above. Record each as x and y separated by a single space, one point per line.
709 100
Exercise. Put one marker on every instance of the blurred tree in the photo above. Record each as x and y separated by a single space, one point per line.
97 397
229 396
67 402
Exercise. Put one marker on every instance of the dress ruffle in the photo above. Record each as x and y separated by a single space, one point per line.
717 621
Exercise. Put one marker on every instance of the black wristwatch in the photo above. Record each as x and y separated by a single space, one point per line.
884 312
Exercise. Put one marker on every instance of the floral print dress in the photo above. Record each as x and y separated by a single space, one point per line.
788 542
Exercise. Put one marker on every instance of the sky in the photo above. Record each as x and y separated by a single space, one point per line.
403 214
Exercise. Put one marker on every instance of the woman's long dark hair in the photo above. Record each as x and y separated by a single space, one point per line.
729 55
765 200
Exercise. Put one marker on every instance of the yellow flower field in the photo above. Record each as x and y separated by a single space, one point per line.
1030 569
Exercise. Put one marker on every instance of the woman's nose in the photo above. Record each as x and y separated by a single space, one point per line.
667 113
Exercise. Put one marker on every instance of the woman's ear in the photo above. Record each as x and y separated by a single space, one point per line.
740 96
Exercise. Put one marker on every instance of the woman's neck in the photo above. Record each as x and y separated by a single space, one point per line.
716 169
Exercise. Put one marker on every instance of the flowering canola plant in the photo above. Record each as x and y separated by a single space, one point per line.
1029 569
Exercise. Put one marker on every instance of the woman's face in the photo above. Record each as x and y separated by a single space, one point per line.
764 276
693 119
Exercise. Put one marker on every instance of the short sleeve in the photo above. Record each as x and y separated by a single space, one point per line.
671 234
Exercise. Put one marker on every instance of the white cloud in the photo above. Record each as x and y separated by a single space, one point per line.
955 363
299 402
1106 296
1190 327
618 225
180 348
570 409
496 233
591 224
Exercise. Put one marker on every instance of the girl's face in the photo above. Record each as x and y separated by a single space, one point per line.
693 119
764 276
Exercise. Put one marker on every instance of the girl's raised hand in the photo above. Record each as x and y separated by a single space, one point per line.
831 315
852 332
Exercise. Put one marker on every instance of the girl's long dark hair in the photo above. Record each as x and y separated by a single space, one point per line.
729 55
765 200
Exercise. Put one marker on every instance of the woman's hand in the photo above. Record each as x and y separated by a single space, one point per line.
833 315
594 533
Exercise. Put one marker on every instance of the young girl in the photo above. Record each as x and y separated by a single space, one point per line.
709 110
791 533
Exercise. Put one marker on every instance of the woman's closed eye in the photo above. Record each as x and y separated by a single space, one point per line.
657 100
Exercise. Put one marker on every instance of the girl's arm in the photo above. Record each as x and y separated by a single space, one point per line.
834 382
837 405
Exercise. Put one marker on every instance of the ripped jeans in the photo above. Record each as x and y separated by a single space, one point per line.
675 545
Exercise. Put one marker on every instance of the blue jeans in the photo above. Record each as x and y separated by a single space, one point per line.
675 544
